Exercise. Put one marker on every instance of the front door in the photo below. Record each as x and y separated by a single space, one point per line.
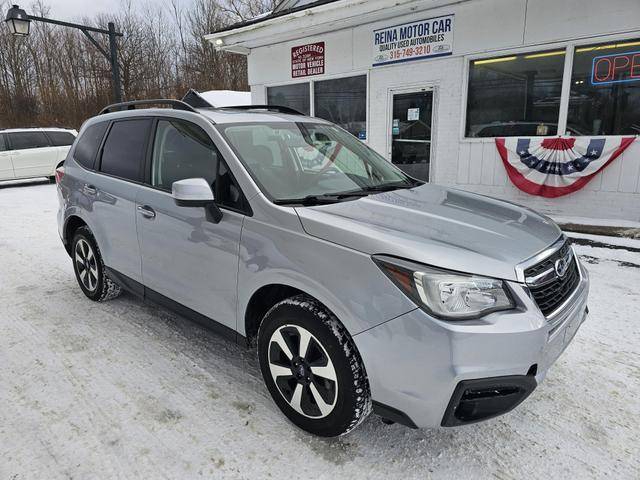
411 132
186 257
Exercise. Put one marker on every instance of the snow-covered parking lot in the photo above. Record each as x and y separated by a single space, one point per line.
126 390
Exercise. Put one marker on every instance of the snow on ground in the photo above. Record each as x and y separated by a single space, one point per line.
125 390
631 244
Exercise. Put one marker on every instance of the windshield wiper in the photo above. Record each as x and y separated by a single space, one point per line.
324 199
385 187
329 198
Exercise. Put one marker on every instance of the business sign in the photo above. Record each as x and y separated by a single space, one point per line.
307 60
616 68
413 41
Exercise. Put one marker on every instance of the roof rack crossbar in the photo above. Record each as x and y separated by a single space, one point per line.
270 108
176 104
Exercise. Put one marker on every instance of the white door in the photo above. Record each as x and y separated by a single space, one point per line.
32 154
6 167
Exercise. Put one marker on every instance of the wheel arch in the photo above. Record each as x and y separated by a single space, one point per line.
70 226
265 297
260 303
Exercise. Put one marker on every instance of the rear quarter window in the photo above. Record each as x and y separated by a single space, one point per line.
60 139
89 143
27 140
125 148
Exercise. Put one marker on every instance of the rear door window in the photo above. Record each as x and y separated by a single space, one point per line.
60 139
27 140
89 143
3 145
125 148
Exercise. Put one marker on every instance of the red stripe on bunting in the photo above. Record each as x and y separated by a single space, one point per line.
544 190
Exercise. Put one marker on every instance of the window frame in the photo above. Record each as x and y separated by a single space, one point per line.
148 163
569 46
320 78
97 163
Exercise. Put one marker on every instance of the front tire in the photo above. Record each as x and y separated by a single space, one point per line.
312 368
89 268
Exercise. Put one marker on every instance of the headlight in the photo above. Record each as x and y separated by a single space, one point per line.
444 294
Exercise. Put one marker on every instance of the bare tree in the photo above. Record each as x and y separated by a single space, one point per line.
55 76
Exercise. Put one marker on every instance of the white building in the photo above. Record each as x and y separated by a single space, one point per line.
429 83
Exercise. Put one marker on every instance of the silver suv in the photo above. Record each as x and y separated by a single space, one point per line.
362 288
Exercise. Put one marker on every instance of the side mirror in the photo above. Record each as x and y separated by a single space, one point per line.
196 192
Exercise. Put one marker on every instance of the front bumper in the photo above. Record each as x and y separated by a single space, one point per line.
419 367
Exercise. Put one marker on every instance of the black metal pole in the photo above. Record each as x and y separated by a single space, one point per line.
112 56
115 66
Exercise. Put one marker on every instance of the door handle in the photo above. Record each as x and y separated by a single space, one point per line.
146 211
90 190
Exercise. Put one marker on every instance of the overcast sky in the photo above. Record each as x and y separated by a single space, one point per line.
76 9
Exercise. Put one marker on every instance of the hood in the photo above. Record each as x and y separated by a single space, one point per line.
436 226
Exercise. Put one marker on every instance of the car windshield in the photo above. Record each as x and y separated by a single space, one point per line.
311 163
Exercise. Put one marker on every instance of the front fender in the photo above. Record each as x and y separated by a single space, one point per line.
346 281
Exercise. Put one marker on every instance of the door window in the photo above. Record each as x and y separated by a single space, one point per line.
411 133
124 149
184 150
60 139
89 143
2 144
27 140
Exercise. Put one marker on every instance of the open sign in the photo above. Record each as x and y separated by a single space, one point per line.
616 68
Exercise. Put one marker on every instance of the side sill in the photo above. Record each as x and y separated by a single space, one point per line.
155 298
393 414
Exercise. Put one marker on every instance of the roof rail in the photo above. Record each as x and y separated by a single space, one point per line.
176 104
270 108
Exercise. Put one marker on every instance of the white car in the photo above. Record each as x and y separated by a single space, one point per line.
33 152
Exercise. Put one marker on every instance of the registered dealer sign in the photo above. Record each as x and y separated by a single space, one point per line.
413 41
307 60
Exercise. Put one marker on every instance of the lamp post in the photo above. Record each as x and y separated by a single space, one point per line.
19 23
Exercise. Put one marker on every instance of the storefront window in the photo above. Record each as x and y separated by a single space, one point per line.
343 101
605 89
515 95
295 96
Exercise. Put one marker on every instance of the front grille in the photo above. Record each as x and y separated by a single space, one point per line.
552 294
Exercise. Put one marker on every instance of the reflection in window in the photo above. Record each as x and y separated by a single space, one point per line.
515 95
294 96
605 89
343 101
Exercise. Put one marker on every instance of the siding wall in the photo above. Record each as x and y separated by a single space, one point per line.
480 26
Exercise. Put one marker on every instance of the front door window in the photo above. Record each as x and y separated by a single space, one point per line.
411 133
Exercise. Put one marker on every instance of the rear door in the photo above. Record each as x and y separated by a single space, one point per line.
111 194
32 154
185 256
6 166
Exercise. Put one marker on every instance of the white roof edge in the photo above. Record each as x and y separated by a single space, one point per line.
240 40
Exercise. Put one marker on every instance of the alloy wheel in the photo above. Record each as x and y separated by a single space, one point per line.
86 264
303 371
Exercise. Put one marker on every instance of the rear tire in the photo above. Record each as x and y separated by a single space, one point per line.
322 389
89 268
